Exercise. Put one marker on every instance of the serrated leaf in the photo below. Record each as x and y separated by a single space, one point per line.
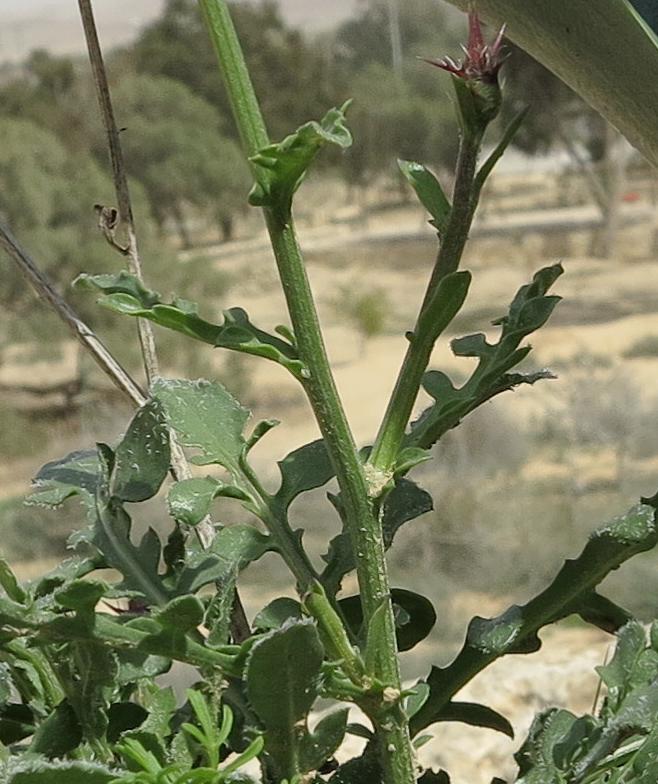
528 311
303 469
536 757
41 771
515 631
206 416
429 191
142 457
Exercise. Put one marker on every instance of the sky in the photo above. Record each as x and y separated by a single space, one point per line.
54 24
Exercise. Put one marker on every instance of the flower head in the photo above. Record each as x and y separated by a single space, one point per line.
482 61
476 77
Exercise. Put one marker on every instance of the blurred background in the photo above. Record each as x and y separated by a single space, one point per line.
517 486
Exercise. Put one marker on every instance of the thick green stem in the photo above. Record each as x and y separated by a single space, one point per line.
361 520
398 413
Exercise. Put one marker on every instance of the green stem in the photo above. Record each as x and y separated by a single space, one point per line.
360 518
398 413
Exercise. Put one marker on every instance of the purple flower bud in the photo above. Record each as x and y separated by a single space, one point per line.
477 87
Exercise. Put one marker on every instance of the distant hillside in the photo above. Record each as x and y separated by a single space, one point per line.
54 25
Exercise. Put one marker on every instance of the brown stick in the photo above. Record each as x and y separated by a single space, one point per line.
126 220
44 289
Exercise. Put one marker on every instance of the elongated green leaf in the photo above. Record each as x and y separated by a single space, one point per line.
429 191
477 716
515 631
125 294
444 305
601 49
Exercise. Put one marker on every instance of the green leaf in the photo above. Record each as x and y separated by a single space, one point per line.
10 584
536 758
303 469
59 733
38 770
319 746
528 311
81 594
124 294
444 305
429 191
122 717
414 616
477 716
16 723
282 677
515 631
277 612
286 162
77 473
184 613
493 158
240 545
404 503
190 500
142 457
206 416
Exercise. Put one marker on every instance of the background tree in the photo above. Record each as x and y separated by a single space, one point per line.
295 80
175 147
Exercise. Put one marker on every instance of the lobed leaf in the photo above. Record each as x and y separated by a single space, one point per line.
286 162
529 310
126 295
515 631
